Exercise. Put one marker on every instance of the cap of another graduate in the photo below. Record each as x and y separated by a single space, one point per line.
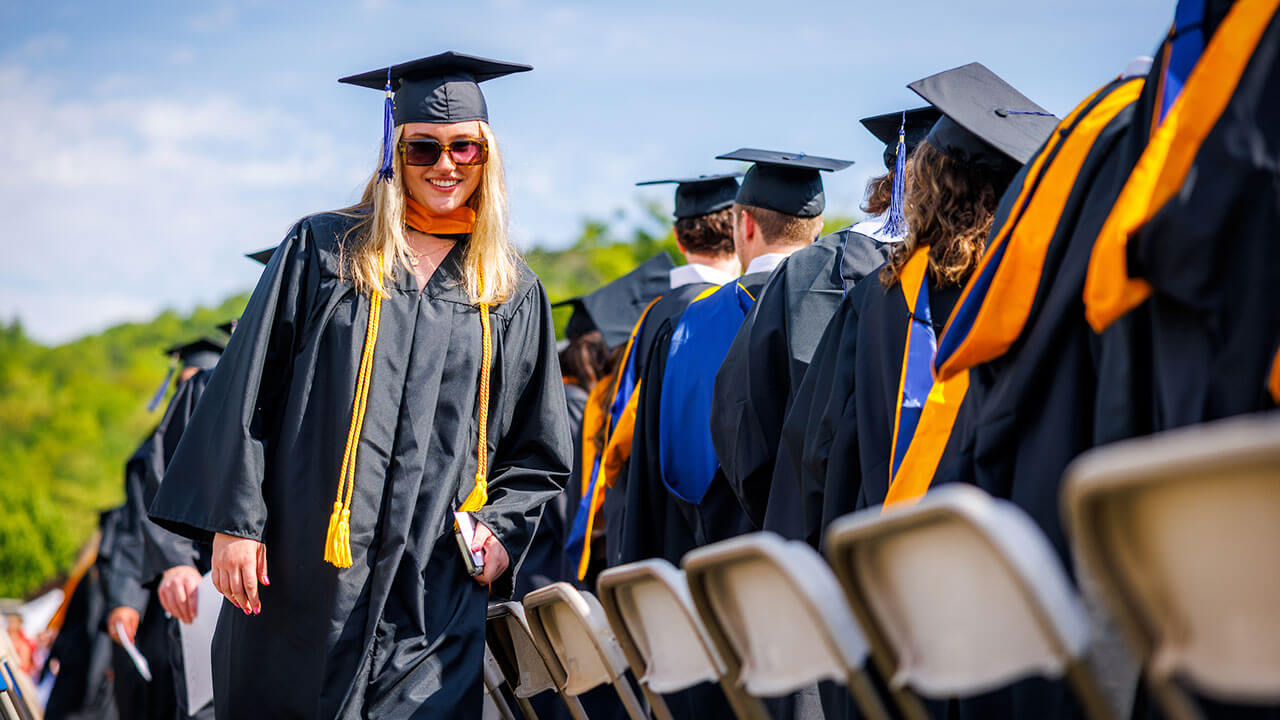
916 123
228 327
785 182
702 195
261 256
615 308
985 119
202 353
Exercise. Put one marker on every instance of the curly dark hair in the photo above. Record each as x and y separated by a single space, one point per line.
950 206
710 234
879 194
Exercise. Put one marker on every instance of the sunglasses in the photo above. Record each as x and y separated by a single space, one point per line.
426 152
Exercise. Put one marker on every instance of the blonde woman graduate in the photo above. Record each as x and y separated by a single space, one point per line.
396 365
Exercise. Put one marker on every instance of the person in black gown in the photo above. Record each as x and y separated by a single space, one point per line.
758 380
704 234
394 370
144 552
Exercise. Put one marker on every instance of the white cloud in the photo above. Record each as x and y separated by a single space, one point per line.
118 204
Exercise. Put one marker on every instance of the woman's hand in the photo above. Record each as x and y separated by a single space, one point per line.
123 616
239 564
177 592
495 556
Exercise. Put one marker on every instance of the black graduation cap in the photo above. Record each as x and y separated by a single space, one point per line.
885 127
228 327
985 119
702 195
261 256
785 182
615 308
202 353
442 88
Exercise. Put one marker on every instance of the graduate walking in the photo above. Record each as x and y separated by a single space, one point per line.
395 365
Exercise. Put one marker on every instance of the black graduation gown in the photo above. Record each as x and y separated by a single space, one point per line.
768 359
1211 257
666 310
144 552
1059 389
659 524
83 688
400 633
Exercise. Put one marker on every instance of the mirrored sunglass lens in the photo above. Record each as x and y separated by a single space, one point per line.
466 152
422 152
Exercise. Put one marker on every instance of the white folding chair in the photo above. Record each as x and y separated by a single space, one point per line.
962 594
652 615
19 693
1181 534
773 609
525 669
569 625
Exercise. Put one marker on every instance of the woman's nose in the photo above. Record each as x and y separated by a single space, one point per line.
445 162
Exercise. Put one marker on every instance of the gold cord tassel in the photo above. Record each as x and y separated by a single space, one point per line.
480 493
337 544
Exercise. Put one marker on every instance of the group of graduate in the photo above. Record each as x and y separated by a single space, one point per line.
1025 288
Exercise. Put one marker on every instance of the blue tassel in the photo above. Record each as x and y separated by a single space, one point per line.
164 387
388 133
896 224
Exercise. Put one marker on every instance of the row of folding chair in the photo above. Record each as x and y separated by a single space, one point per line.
955 596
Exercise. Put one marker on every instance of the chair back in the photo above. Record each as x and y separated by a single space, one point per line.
1181 532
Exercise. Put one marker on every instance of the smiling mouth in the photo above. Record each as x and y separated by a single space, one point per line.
444 184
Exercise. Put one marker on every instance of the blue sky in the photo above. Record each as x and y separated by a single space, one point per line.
144 146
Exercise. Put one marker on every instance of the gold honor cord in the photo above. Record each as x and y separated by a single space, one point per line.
337 546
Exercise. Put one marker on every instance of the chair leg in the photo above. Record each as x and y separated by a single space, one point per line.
499 702
630 702
575 707
657 704
865 695
526 708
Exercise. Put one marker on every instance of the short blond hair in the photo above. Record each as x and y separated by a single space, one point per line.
780 228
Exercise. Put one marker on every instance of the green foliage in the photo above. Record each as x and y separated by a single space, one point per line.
69 418
71 415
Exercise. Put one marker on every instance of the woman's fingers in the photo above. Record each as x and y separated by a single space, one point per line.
262 565
249 581
238 563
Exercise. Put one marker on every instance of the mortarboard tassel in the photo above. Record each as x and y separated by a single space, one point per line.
387 170
896 223
164 386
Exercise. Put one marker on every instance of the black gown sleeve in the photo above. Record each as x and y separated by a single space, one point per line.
646 504
123 567
533 454
213 483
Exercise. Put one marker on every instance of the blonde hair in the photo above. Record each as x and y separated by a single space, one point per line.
490 268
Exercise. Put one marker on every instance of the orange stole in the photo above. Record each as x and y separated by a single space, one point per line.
458 222
1109 292
1037 211
938 416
